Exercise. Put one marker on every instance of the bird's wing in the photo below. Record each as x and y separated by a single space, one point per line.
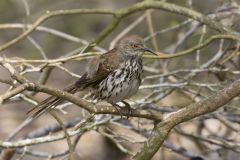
99 68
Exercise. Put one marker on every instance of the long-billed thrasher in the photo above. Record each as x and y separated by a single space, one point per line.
113 76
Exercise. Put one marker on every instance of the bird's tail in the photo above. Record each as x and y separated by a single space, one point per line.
49 103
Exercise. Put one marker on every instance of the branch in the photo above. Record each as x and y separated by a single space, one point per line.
194 48
53 62
50 31
51 138
207 105
50 14
121 13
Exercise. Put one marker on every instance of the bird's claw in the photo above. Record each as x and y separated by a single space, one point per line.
126 110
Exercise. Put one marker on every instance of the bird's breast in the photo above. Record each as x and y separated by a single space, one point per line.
121 83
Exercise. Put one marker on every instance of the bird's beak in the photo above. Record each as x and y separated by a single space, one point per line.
150 51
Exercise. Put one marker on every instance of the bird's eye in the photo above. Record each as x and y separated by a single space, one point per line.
134 45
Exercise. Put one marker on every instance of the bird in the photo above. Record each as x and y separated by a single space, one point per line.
113 76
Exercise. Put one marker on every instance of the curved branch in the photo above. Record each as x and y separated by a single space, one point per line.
194 48
207 105
50 138
121 13
50 14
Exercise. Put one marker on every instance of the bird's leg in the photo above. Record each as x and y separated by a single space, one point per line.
117 108
128 107
122 110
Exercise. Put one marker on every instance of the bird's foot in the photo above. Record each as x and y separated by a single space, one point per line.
126 110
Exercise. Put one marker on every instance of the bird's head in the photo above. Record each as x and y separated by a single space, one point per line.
133 46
